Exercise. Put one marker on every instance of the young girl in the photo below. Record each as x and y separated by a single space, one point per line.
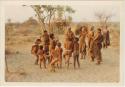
59 51
54 60
76 52
41 55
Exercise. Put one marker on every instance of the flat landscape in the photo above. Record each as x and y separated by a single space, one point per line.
22 69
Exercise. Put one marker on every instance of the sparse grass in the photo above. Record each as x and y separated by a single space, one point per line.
20 43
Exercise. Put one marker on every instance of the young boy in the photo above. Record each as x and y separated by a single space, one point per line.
34 50
41 55
76 52
59 51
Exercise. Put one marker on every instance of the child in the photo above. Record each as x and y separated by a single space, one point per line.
52 45
59 51
41 55
82 42
35 48
54 59
76 52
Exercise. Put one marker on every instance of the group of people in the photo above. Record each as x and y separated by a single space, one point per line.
49 51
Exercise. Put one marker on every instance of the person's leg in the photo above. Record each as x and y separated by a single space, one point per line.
44 62
99 59
92 58
81 55
60 63
48 59
37 59
100 56
57 64
80 50
65 60
84 56
65 57
51 58
84 52
92 55
78 61
53 64
41 63
74 57
68 58
52 68
103 44
106 43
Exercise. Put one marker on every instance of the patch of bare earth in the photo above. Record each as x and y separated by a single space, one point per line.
22 69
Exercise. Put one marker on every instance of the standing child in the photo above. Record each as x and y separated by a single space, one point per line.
59 51
54 59
41 55
52 45
82 42
35 48
76 52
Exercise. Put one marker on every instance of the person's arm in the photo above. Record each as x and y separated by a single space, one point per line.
32 49
64 44
38 53
72 47
80 35
61 50
96 37
73 35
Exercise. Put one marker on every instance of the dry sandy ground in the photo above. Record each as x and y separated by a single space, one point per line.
22 68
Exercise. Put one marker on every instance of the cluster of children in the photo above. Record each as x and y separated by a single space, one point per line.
47 50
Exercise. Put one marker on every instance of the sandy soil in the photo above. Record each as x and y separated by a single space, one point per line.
22 68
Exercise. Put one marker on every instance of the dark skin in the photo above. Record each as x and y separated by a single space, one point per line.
76 55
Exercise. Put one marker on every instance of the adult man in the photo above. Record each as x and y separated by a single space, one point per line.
46 42
68 45
69 34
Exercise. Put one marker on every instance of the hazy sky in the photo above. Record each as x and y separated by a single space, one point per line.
18 13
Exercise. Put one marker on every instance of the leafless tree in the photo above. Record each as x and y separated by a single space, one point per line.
103 18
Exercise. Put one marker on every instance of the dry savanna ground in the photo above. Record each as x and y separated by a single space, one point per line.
22 69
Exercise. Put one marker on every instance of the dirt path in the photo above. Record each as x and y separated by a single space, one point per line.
23 69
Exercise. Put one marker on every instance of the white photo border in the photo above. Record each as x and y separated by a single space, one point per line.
2 41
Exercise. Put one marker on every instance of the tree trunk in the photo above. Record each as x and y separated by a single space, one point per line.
6 64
